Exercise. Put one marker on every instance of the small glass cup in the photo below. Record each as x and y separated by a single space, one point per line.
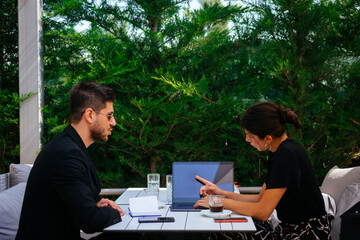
153 180
216 203
169 188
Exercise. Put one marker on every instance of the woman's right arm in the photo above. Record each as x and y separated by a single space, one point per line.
211 188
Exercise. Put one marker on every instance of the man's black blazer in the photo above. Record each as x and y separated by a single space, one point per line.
61 191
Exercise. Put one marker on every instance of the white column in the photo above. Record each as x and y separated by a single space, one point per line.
30 78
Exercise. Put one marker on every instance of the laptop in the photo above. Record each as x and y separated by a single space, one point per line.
185 187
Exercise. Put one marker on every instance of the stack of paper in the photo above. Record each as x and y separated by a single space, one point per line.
144 206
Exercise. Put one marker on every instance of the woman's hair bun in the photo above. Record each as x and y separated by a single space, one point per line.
292 118
266 118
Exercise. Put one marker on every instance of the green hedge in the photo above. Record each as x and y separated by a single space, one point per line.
184 77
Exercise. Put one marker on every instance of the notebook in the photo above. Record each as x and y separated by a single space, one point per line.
144 207
185 187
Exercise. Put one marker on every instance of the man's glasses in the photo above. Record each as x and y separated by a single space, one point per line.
109 116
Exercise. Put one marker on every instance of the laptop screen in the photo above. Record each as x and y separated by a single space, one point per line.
185 186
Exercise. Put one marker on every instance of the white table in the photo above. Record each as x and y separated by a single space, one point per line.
184 221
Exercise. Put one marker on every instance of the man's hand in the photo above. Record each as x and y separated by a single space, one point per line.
208 188
104 202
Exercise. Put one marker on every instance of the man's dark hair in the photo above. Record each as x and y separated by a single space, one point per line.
88 94
266 118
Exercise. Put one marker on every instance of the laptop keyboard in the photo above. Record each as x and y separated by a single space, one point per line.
183 205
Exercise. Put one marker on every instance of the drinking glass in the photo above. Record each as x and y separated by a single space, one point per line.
153 180
169 188
216 203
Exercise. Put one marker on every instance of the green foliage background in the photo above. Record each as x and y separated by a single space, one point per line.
9 78
183 78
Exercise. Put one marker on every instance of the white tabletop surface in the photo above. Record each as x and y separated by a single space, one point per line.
184 221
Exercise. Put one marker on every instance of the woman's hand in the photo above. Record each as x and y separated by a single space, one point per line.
208 188
202 203
104 202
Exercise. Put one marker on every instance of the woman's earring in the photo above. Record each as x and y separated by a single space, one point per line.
269 147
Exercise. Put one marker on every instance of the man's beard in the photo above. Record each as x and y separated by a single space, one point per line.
98 134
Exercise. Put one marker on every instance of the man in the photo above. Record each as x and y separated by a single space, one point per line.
63 184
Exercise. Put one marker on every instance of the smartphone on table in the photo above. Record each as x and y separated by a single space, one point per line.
156 219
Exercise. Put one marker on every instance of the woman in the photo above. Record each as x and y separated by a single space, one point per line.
290 185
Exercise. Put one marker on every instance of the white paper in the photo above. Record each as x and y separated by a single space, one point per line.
144 206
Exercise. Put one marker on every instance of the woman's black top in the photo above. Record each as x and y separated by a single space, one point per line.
289 167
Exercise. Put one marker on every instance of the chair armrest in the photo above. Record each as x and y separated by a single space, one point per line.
112 191
249 189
